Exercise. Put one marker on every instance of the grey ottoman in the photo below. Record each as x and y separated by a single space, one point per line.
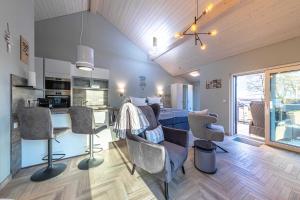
205 156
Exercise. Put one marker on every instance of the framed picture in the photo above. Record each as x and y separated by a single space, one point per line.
217 83
24 50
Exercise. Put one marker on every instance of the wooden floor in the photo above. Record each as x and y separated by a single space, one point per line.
247 172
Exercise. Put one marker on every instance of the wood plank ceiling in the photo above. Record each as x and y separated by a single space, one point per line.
45 9
249 25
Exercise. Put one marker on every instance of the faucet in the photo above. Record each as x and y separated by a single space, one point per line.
83 102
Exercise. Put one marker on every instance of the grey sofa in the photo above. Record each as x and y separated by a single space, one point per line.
162 160
257 124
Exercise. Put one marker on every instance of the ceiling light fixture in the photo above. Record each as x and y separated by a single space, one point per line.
85 54
154 43
193 28
195 74
154 49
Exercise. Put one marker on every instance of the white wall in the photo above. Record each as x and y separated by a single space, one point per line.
277 54
57 38
20 16
196 95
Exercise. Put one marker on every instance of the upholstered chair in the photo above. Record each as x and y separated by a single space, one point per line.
35 124
257 124
203 127
164 159
83 122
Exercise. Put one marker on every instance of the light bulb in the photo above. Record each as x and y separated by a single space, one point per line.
178 35
213 32
209 7
194 28
203 46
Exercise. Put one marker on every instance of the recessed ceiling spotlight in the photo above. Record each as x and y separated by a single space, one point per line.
195 74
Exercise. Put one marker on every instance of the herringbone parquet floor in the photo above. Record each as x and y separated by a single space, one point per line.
247 173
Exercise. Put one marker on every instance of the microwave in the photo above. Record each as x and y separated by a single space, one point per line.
52 83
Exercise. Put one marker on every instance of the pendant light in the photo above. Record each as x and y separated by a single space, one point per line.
85 54
85 58
192 29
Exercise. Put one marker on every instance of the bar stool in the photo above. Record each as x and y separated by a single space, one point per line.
83 122
35 124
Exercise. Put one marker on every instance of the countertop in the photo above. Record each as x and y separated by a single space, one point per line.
66 110
59 110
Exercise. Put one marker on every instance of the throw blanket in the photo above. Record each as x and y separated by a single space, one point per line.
131 118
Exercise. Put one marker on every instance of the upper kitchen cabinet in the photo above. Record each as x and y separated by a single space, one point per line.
57 68
98 73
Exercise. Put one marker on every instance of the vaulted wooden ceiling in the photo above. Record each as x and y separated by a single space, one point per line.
247 25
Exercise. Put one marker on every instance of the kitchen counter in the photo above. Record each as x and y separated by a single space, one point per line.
66 110
59 110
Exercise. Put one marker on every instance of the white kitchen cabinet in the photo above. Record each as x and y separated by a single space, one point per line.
57 68
182 96
39 70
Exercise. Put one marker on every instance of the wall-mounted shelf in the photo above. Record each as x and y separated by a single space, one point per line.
89 88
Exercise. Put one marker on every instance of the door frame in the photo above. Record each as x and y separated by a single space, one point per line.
268 72
233 92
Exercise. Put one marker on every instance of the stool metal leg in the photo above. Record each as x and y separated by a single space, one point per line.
91 161
221 148
52 170
166 191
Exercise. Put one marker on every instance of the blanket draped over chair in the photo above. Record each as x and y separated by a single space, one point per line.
136 122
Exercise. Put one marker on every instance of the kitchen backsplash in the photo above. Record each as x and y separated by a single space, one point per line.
90 97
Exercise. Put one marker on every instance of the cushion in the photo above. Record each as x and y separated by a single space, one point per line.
138 101
149 113
156 135
153 100
202 112
217 128
177 154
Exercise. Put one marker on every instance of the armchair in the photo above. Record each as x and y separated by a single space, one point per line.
257 124
203 127
162 160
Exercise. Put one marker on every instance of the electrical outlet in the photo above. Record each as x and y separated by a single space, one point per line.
16 125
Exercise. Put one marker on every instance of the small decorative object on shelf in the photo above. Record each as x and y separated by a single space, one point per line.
24 50
217 83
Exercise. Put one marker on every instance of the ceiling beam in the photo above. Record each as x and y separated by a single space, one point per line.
93 6
219 10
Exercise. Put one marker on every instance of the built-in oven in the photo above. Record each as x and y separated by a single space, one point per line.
52 83
58 99
58 92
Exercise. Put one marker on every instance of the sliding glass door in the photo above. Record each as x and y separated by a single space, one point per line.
283 107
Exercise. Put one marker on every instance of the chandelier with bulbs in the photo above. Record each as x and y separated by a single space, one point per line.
192 30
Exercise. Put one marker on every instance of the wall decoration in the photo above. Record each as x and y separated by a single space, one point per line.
24 50
142 82
217 83
7 38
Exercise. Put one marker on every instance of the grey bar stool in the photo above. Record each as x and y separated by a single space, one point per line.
83 122
35 124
